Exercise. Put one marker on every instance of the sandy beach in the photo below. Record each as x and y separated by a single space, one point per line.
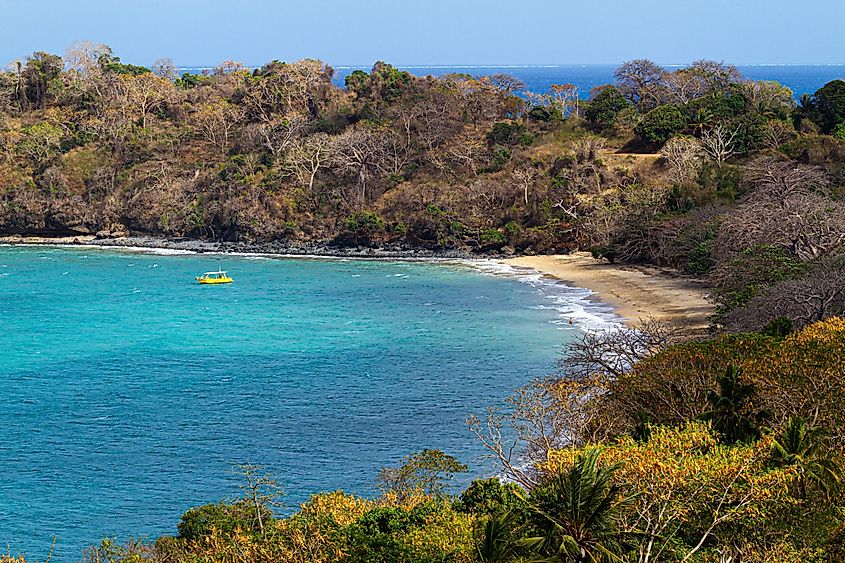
635 292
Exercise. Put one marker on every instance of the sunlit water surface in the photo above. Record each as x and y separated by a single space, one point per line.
128 391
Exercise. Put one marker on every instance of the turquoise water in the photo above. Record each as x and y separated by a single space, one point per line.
128 392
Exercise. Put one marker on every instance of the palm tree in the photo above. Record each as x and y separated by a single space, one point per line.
801 446
578 513
499 539
727 408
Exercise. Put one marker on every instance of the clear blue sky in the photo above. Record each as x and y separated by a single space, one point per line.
409 32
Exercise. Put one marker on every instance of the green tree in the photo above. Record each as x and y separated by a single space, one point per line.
604 107
661 123
728 408
358 83
578 513
490 497
41 78
801 445
426 472
827 105
499 538
226 518
41 142
364 225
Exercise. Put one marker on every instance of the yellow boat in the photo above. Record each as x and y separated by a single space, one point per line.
213 278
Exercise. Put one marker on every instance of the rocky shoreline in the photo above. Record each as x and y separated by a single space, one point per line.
280 248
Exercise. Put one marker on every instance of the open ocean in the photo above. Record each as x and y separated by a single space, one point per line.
129 391
802 79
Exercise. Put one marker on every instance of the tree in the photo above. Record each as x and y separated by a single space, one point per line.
357 151
41 79
828 105
166 69
639 81
615 351
216 122
800 445
490 497
661 123
768 98
261 491
144 93
499 538
506 83
605 105
686 489
426 472
720 142
565 99
685 155
578 512
40 142
307 156
358 82
728 408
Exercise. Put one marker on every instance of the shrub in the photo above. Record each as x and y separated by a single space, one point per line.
509 133
198 522
492 236
489 497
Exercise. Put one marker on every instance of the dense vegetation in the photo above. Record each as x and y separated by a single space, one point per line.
642 448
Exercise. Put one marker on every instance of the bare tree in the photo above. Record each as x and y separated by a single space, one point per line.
356 151
262 491
166 69
719 141
216 122
542 416
277 134
307 156
506 83
638 80
566 99
778 178
526 176
777 133
685 156
613 352
815 296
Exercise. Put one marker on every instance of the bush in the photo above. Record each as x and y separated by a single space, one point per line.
364 224
722 181
501 155
492 236
489 497
508 133
198 522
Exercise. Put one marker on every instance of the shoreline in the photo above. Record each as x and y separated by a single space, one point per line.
280 249
634 291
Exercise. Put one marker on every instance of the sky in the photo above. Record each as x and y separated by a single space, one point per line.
432 32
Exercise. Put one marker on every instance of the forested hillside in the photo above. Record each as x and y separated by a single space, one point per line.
696 169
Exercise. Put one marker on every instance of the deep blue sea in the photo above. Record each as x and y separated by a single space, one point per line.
802 79
128 391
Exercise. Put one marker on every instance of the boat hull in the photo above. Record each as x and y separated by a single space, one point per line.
215 281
